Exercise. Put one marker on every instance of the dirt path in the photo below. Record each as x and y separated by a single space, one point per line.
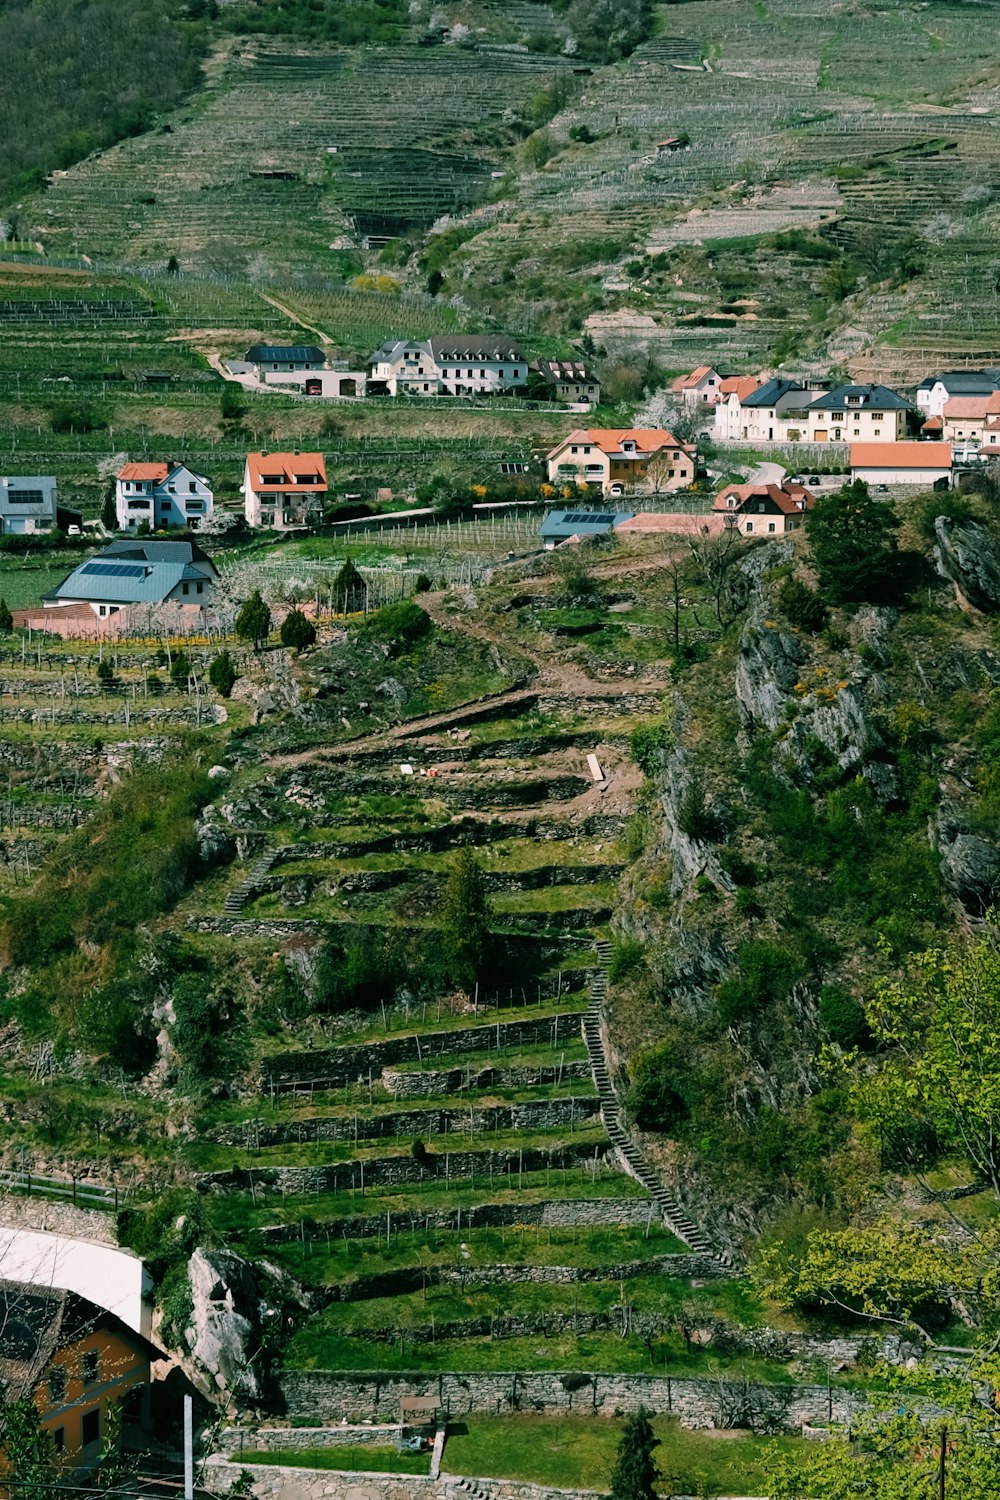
310 327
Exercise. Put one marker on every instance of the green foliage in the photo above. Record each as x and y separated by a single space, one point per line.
114 1022
695 816
802 606
649 744
852 539
348 23
539 148
232 403
105 671
130 862
180 669
253 622
109 511
842 1017
661 1093
350 591
627 958
367 968
765 972
28 1449
75 416
635 1473
6 618
950 503
297 631
465 919
397 626
165 1229
208 1033
222 674
606 30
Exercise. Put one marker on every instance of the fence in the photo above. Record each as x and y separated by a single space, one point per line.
83 1193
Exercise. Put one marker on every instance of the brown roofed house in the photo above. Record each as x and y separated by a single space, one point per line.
615 459
764 509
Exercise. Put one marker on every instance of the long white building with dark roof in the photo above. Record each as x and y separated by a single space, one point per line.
460 364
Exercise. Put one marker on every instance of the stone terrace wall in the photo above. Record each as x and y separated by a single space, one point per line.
696 1403
432 1082
273 1482
534 1114
549 1213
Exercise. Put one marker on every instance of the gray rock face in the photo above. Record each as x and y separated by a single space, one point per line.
215 843
767 668
969 555
690 857
227 1315
970 864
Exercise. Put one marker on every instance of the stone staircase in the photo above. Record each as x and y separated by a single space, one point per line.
240 895
672 1213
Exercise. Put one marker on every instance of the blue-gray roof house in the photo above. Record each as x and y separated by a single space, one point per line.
562 525
28 503
138 572
286 357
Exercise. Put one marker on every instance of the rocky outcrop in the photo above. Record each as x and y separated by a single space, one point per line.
768 665
968 553
216 846
970 864
228 1314
690 856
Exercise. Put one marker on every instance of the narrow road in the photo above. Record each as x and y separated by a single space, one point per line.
766 473
310 327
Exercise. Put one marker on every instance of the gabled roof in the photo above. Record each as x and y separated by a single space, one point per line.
580 522
688 382
474 346
963 382
283 471
740 386
135 572
914 455
789 499
142 471
875 397
773 390
564 369
985 405
270 354
610 439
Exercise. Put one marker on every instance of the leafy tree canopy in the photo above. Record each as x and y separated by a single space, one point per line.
852 538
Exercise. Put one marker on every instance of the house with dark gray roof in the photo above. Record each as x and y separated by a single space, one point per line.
138 572
858 414
935 391
572 525
773 413
280 358
479 364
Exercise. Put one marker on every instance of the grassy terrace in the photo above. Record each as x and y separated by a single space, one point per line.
398 1022
358 1460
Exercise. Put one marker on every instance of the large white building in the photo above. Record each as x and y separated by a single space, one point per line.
449 365
913 463
161 494
857 414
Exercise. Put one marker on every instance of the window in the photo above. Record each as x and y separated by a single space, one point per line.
185 588
57 1384
876 416
91 1365
90 1427
770 526
192 487
748 526
199 588
878 432
59 1439
836 416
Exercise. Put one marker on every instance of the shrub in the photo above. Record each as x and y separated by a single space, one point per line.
397 625
802 606
649 744
231 403
627 958
852 538
695 817
105 671
253 623
6 618
951 504
75 416
422 585
180 670
765 972
222 674
842 1017
297 631
659 1098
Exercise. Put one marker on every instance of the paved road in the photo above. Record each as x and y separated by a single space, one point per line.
766 473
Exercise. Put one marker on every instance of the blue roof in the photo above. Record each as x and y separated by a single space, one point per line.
878 397
136 572
581 522
772 391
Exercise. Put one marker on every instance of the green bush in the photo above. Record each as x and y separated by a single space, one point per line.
659 1098
949 503
802 606
627 958
297 631
842 1018
222 674
765 972
695 817
397 625
648 744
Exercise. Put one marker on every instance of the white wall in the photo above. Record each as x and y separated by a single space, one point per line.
111 1278
900 476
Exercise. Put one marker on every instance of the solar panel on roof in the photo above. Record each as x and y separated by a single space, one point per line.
591 517
114 570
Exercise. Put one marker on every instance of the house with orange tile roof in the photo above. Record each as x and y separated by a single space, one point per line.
733 391
965 418
915 463
700 388
616 459
282 491
161 494
764 509
671 523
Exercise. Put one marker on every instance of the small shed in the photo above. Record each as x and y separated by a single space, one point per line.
419 1411
670 145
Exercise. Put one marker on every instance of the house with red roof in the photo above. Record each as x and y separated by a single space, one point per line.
764 509
616 459
965 418
282 491
700 388
916 463
733 391
161 494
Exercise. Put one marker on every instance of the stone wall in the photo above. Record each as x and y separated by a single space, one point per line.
432 1082
57 1218
535 1114
275 1482
293 1439
339 1067
388 1171
552 1213
696 1403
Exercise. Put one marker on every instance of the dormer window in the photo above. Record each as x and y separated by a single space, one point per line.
628 447
855 400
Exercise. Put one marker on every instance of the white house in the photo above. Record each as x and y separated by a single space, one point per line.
27 504
284 490
764 509
934 391
965 419
137 572
775 412
333 385
615 459
161 494
449 365
857 413
272 359
700 388
728 412
913 463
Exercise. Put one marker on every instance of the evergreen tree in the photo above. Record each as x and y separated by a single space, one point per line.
466 914
253 623
180 670
349 590
635 1474
222 674
109 513
852 538
297 631
6 618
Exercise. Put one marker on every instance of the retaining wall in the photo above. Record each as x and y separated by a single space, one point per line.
536 1114
431 1082
548 1213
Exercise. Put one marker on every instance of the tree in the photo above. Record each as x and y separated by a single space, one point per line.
635 1474
801 605
27 1448
6 618
852 538
231 405
350 592
180 670
173 266
222 674
297 631
466 916
715 559
253 623
109 510
105 671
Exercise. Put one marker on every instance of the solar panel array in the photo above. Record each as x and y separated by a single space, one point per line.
114 570
589 517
